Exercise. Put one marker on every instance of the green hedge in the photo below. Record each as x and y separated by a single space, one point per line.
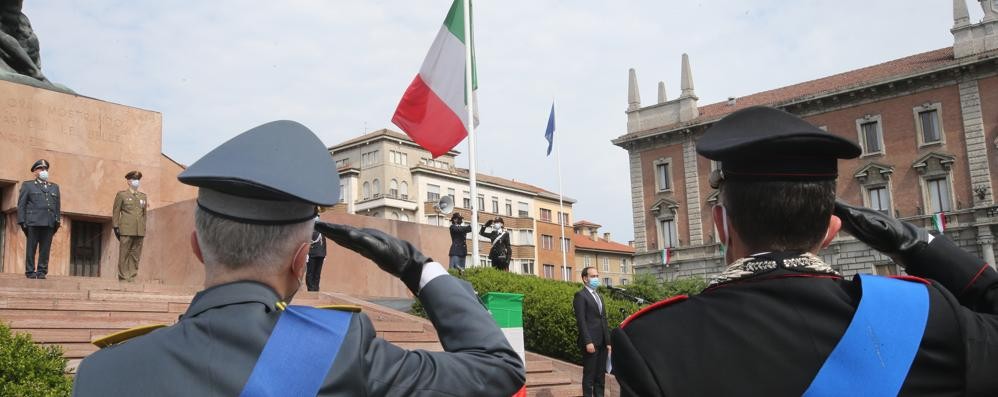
548 318
27 369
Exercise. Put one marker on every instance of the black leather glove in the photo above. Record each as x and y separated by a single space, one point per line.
899 240
117 234
395 256
56 227
24 229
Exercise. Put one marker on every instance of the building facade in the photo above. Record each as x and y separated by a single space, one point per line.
384 174
613 260
927 125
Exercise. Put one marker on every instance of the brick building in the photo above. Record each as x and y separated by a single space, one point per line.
384 174
613 260
927 123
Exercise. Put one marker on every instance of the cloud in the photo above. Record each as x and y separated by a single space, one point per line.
216 68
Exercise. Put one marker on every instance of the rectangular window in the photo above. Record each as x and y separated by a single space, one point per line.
509 208
566 244
343 196
587 260
545 214
527 267
548 271
563 218
939 199
880 199
450 192
467 200
369 158
668 230
526 237
495 205
432 193
547 242
623 268
662 176
433 220
929 121
607 281
523 209
481 203
566 271
606 264
624 281
871 137
403 159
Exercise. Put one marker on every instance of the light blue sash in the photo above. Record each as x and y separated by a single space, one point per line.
299 353
875 353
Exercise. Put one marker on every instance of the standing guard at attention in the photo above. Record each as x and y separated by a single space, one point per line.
128 220
39 216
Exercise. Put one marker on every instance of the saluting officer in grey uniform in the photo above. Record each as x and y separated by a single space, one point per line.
39 217
256 202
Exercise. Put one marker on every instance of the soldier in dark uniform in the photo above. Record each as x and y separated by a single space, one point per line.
128 220
257 199
501 250
38 214
779 321
458 242
316 255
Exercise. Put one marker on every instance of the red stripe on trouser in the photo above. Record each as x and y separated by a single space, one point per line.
428 120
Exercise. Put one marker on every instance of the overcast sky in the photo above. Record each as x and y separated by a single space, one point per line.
216 68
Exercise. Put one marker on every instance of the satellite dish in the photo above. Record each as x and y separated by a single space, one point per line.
445 205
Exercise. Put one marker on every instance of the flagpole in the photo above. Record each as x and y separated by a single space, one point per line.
561 218
470 106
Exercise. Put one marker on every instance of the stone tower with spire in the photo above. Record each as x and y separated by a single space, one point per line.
664 112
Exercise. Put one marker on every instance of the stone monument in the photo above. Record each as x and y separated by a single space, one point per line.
19 55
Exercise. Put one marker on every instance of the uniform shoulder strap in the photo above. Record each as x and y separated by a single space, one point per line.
299 352
877 350
122 336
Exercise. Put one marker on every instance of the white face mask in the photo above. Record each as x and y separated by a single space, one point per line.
44 175
498 226
134 183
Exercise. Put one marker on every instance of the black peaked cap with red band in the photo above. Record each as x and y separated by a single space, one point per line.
761 143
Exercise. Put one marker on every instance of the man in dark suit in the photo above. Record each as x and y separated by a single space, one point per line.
458 242
594 335
316 255
239 336
38 214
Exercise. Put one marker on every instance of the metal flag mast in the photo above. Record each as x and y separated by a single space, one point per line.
470 106
561 217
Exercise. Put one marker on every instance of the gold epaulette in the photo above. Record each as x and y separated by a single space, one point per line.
342 308
121 336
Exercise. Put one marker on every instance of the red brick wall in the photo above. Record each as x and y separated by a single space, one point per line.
901 146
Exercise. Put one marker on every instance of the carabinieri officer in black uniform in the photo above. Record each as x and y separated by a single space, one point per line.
257 200
779 321
38 214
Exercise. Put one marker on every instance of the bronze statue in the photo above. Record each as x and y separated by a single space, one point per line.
19 54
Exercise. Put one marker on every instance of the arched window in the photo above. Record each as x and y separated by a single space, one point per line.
393 188
404 189
376 187
367 190
405 217
395 215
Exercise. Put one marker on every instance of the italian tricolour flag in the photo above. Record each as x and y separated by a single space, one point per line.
433 111
939 221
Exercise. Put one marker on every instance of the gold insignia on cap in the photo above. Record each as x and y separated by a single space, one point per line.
122 336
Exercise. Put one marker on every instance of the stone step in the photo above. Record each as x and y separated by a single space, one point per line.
574 390
539 366
98 323
547 379
36 294
83 305
75 350
139 297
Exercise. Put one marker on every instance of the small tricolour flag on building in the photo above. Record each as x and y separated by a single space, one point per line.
433 111
666 256
939 221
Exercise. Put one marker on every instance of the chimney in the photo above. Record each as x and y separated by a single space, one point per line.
630 243
606 236
732 101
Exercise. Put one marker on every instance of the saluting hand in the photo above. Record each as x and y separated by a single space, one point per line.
395 256
881 231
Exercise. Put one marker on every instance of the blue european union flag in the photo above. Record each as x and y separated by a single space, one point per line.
549 134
